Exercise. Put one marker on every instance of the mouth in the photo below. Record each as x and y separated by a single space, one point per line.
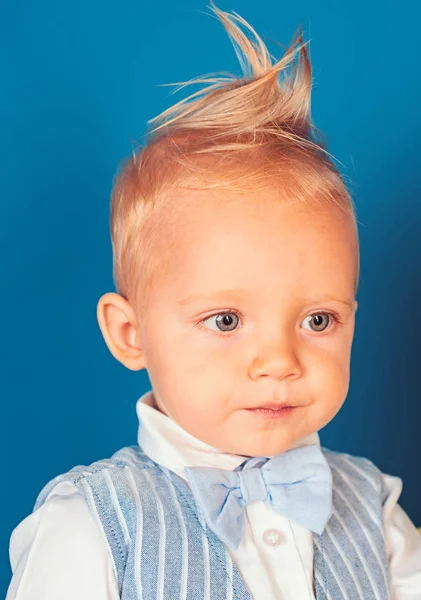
272 410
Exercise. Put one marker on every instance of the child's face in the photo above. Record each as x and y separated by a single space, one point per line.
278 270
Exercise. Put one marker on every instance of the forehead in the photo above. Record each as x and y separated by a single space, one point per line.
211 239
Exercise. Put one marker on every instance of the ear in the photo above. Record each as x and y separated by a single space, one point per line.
119 327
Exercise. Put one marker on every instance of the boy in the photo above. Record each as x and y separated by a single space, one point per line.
236 263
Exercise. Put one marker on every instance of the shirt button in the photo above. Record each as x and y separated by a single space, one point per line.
272 537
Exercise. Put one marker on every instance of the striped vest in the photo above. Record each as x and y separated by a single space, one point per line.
162 548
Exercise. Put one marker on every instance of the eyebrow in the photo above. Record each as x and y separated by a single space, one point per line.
237 292
196 297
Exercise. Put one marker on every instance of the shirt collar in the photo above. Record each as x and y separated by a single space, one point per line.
169 445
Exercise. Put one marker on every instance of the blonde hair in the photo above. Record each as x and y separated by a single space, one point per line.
242 134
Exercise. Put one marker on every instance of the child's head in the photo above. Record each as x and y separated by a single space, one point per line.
236 260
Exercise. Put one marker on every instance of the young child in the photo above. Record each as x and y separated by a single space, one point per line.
236 263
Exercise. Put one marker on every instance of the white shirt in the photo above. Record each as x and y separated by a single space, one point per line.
59 553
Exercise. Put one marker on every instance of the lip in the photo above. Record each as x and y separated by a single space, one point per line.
272 413
273 406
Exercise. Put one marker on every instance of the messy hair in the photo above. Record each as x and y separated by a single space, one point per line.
242 134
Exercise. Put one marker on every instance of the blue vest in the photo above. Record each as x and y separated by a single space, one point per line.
163 550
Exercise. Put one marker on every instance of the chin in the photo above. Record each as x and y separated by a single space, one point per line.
273 450
264 448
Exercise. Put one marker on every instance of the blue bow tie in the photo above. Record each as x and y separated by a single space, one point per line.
297 483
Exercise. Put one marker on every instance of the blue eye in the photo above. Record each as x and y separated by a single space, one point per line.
228 321
321 321
224 321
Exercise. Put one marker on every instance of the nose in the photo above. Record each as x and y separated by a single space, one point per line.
277 359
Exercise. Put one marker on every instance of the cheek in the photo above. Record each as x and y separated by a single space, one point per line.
186 350
201 416
328 387
330 376
189 396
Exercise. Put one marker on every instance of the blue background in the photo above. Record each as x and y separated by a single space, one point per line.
79 81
